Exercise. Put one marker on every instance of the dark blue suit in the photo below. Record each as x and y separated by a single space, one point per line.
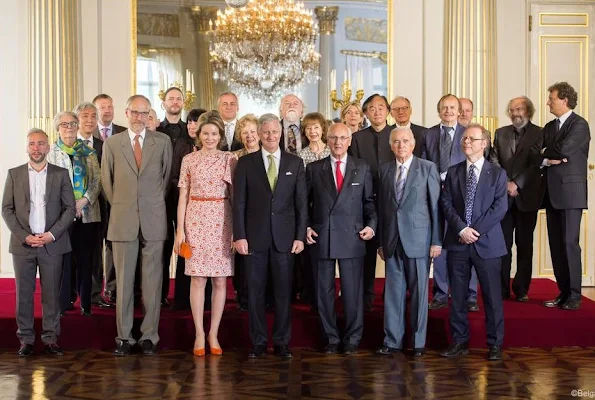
431 151
489 208
337 218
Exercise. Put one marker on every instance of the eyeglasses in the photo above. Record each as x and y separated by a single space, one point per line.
338 138
466 139
400 109
143 114
66 125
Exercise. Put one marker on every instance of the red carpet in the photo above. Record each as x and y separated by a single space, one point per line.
526 324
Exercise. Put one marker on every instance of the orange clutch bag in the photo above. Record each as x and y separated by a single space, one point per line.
185 250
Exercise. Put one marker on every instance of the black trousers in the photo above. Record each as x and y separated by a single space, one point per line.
239 280
282 274
168 247
521 224
370 271
488 274
563 228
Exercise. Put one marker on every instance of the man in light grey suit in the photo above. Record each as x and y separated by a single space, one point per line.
409 235
38 207
135 171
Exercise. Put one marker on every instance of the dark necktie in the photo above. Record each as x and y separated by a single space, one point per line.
445 149
470 197
558 125
518 133
292 133
400 185
339 176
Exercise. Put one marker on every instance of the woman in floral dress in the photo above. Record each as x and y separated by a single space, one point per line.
205 223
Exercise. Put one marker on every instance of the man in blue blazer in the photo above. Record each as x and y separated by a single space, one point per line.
270 214
474 202
410 233
342 219
442 146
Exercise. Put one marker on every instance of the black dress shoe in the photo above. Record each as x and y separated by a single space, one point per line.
522 298
148 348
165 303
283 352
86 312
103 304
455 349
53 349
419 352
557 302
495 353
331 348
349 349
571 305
257 352
123 348
472 306
436 304
26 350
385 350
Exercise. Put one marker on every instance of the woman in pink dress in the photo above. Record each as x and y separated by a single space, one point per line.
205 223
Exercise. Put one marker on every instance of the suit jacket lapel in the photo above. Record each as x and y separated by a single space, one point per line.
262 171
283 168
390 182
49 182
127 151
326 175
24 177
350 175
411 177
482 184
463 180
148 150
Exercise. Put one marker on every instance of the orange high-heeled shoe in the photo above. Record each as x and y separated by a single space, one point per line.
216 351
199 352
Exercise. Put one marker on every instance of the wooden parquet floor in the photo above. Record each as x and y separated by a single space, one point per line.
524 373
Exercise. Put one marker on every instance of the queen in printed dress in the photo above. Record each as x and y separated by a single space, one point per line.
205 223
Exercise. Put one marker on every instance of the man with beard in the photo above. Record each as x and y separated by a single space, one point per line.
38 207
514 151
173 126
372 144
228 107
291 112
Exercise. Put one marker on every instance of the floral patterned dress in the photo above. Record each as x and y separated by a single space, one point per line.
208 222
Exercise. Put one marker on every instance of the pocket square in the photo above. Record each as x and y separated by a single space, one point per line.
288 173
355 184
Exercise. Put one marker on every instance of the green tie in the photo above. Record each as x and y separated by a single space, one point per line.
272 172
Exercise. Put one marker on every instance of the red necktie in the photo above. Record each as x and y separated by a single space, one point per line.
339 176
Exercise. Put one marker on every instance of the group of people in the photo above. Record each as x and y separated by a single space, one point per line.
276 200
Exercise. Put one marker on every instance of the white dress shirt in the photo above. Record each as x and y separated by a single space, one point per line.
132 135
37 184
276 156
563 118
342 166
407 125
90 139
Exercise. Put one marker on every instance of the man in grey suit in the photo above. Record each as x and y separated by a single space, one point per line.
135 172
410 235
38 207
514 150
342 219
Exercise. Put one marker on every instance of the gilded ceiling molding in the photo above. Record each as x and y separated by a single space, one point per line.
366 29
167 25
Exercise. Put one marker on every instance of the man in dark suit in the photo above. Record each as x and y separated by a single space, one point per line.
563 157
466 117
513 150
269 224
342 219
105 116
228 107
291 111
38 207
372 145
410 235
474 203
401 110
442 147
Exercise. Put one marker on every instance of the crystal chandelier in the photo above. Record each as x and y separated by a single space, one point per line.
266 49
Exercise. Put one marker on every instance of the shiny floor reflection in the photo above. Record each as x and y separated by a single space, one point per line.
524 373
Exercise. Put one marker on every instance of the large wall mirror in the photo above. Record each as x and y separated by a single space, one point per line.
174 44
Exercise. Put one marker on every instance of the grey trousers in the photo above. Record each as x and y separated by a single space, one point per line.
50 274
404 273
125 261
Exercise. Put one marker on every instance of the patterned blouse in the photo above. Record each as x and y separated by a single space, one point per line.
308 155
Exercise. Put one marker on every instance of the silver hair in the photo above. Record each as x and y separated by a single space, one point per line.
36 130
339 125
135 97
266 118
400 129
82 106
61 114
296 96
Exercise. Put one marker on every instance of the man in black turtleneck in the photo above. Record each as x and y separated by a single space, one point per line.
173 126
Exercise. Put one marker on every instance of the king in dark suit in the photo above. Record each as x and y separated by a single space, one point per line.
564 161
514 150
38 207
342 218
269 224
474 203
410 233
